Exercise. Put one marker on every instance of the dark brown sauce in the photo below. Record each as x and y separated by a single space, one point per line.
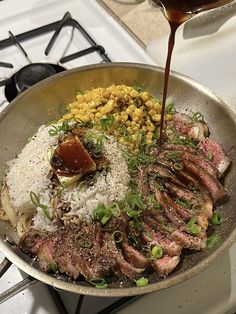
177 12
71 158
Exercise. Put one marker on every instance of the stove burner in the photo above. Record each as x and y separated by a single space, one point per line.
28 76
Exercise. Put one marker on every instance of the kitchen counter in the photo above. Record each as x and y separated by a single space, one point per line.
143 21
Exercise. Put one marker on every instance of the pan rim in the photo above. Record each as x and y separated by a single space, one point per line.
118 292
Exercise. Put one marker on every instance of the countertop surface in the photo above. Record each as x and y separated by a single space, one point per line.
143 20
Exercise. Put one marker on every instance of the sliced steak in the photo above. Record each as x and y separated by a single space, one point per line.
185 213
184 125
31 241
165 265
201 162
188 241
216 190
156 238
182 193
179 147
118 264
216 154
47 251
134 256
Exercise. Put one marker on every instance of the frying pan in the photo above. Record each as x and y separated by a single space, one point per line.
46 101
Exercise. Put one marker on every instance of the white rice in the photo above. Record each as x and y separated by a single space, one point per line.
110 186
31 172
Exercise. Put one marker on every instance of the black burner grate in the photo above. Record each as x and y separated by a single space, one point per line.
12 84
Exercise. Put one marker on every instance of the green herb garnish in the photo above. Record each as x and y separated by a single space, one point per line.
183 202
139 88
134 161
216 218
170 109
175 155
212 240
107 122
55 130
99 283
53 267
123 132
209 155
197 117
154 203
156 252
117 236
141 282
192 227
35 200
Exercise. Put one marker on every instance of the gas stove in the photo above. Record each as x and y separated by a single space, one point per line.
68 34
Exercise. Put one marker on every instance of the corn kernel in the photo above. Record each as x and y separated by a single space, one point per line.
72 105
133 93
151 112
169 117
80 98
74 111
98 115
144 96
68 116
138 112
156 118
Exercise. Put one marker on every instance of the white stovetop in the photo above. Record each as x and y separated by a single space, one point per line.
214 290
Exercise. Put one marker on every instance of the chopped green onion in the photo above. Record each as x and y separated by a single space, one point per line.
216 218
52 132
141 282
192 227
117 236
105 219
102 213
178 166
170 109
196 207
134 161
157 252
135 200
209 155
197 117
84 241
139 88
212 240
53 267
99 283
169 132
87 124
123 131
64 127
183 202
154 203
35 200
138 102
160 187
107 122
173 155
115 209
167 227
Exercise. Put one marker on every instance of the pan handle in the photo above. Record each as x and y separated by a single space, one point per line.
20 286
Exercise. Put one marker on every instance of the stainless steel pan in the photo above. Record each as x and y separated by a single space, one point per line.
46 101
